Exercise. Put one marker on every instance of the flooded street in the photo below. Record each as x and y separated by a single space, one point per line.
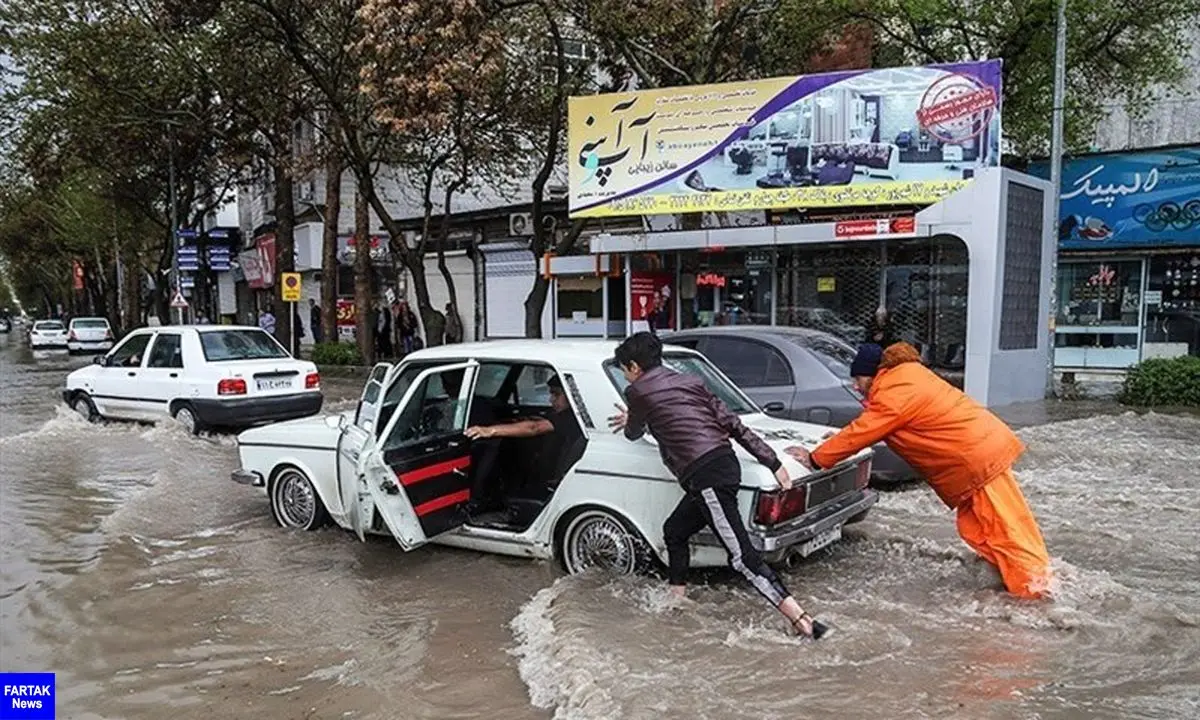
155 587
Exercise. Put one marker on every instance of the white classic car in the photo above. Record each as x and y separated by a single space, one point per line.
400 463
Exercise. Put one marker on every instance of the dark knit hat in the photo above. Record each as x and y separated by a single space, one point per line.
866 362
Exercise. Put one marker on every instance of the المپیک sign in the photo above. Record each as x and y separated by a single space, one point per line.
289 286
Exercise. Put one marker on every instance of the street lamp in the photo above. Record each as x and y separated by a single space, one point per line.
1056 153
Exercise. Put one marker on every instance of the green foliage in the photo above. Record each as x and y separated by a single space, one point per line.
1165 382
336 353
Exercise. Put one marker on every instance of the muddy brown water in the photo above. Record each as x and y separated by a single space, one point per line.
154 587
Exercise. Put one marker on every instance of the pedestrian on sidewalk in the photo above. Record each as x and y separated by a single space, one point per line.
964 451
693 428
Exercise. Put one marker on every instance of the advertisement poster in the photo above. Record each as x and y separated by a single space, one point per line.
346 319
652 300
894 136
1129 200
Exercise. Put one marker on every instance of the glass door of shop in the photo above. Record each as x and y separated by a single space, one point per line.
1099 321
1172 301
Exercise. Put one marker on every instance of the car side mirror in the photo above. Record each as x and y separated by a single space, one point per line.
335 422
101 360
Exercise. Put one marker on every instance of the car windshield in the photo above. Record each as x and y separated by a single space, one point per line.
833 354
98 324
247 344
48 326
692 365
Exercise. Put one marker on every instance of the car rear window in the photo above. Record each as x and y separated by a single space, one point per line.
95 324
692 365
832 353
222 345
48 326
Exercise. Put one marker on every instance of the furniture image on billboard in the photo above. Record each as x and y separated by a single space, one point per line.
872 159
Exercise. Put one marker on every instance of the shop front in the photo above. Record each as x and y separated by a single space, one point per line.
1128 282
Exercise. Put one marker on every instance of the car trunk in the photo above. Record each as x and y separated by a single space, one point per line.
90 333
264 378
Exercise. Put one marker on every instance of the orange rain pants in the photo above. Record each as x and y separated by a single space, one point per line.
998 524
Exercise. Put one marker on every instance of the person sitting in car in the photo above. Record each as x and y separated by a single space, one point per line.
560 422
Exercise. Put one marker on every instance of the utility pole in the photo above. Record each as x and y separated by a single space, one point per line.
1056 153
175 280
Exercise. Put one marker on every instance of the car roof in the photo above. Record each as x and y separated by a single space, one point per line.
753 331
92 317
554 352
197 328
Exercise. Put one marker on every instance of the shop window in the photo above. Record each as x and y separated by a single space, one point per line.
748 364
584 295
832 289
1173 306
1094 293
1022 269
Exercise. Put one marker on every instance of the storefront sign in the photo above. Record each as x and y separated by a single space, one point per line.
346 316
898 136
875 228
651 299
1129 200
1153 297
710 280
264 254
826 284
348 246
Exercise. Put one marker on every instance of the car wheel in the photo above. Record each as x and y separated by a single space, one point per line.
599 538
186 416
859 517
295 502
83 405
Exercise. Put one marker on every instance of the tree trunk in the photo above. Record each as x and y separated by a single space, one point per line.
285 256
133 290
451 291
329 261
535 304
363 321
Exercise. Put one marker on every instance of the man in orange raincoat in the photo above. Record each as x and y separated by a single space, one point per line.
964 451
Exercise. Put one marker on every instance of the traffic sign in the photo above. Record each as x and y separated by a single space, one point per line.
178 301
289 286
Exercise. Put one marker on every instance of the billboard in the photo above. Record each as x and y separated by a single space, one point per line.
897 136
1129 200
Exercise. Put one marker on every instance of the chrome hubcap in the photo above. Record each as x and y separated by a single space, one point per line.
81 407
604 543
185 418
295 500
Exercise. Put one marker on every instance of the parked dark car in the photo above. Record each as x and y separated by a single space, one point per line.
794 373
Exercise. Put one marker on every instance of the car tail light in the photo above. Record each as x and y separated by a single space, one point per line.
776 507
863 477
231 386
312 381
108 335
72 336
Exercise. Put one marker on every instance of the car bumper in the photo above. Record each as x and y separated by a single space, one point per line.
775 542
242 476
244 412
85 345
44 343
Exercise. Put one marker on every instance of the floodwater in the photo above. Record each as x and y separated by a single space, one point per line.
154 587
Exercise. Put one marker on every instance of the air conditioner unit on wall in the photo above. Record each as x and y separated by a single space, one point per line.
520 224
308 189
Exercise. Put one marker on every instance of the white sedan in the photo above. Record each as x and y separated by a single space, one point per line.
401 465
204 376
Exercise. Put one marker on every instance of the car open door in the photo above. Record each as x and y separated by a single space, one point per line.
417 474
367 412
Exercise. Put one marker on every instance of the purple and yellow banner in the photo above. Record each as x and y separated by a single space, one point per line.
896 136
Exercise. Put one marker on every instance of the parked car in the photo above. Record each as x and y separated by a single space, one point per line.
400 463
209 376
48 334
796 373
89 334
6 321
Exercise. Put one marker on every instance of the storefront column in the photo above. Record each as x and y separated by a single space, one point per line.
604 304
677 322
774 288
628 294
1142 308
553 298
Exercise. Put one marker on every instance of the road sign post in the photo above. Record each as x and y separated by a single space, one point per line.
289 290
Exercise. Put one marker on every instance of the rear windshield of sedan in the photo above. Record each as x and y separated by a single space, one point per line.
53 325
89 323
692 365
222 345
835 355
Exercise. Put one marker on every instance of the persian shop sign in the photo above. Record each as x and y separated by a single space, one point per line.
897 136
1142 199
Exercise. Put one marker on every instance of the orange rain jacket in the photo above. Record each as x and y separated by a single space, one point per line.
956 443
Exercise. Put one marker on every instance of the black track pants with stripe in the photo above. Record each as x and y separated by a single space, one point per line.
716 506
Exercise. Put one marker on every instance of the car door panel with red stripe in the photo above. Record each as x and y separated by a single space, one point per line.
418 476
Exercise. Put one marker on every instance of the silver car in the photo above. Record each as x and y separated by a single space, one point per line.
794 373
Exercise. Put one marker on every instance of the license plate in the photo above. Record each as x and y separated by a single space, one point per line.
275 384
823 540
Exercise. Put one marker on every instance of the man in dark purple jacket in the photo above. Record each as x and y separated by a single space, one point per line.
693 428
